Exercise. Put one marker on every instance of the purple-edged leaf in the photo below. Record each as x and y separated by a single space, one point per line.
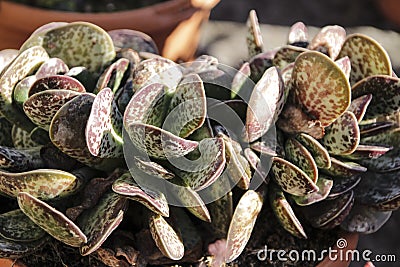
112 76
16 226
300 156
51 220
285 214
390 161
368 152
41 183
152 168
153 200
253 39
103 137
371 131
324 188
202 172
286 55
16 160
99 222
137 40
157 142
240 79
298 33
255 163
330 212
242 224
291 178
343 168
52 66
359 106
166 238
149 105
364 219
367 57
19 68
56 82
343 135
188 107
318 151
342 186
329 40
42 106
324 99
157 70
385 91
264 148
265 104
345 65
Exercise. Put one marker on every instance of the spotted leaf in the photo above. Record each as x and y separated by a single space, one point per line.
242 224
298 34
345 65
265 104
14 250
56 82
367 57
21 89
241 79
342 186
368 152
22 139
254 38
371 131
324 187
166 238
291 178
99 222
286 55
260 63
52 66
51 220
13 159
285 214
329 39
137 40
343 136
317 150
359 106
6 56
343 169
324 99
112 76
153 168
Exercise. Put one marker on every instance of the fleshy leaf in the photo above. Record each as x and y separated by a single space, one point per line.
329 39
254 38
285 214
6 56
56 82
367 57
41 183
286 55
342 186
359 106
52 66
260 63
318 151
343 135
153 168
368 152
372 130
242 224
265 104
137 40
298 34
344 168
21 89
240 79
99 222
324 99
324 188
291 178
264 148
22 139
13 250
51 220
112 76
345 65
13 159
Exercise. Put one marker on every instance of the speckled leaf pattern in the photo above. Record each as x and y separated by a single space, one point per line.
41 183
359 106
166 238
16 226
285 214
367 57
114 73
99 222
385 92
21 89
286 55
188 107
368 152
322 214
298 33
240 79
138 41
52 66
149 105
291 178
242 224
260 63
325 99
324 188
22 139
343 136
96 48
153 200
364 219
56 82
344 168
390 205
21 66
330 39
371 131
221 212
301 157
157 142
51 220
345 65
157 70
264 148
102 138
265 104
41 107
254 38
341 186
317 150
6 56
13 159
153 168
13 250
261 168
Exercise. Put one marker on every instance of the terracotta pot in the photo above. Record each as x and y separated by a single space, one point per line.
11 263
390 9
174 25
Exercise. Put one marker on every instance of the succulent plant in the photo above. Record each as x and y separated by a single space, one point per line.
134 159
